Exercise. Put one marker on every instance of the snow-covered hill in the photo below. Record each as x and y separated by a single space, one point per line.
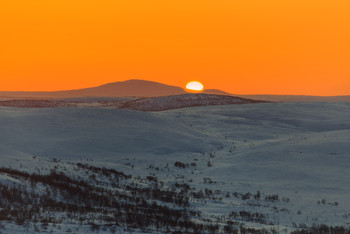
95 133
182 101
268 166
143 104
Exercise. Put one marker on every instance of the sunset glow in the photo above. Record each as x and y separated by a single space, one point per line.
241 47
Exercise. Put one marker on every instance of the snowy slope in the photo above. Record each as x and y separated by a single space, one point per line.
298 151
310 142
92 132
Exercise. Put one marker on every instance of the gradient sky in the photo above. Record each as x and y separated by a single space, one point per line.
239 46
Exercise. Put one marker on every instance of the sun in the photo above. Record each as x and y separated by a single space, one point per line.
194 86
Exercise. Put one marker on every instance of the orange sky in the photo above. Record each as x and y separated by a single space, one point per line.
239 46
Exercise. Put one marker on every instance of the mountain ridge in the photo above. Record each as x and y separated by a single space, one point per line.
127 88
145 88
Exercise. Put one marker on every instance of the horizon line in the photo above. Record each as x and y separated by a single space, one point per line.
135 79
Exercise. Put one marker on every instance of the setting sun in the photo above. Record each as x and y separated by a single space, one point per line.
194 86
242 47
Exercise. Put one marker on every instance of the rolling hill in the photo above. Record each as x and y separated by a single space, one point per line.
159 103
183 101
263 167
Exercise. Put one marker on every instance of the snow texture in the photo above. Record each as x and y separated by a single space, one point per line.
300 151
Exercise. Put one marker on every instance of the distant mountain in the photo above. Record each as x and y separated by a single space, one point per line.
182 101
144 88
298 98
284 98
129 88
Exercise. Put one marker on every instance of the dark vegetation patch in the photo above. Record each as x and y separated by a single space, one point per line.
322 229
126 204
104 198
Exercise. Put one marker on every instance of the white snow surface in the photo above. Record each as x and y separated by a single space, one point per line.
94 133
296 150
